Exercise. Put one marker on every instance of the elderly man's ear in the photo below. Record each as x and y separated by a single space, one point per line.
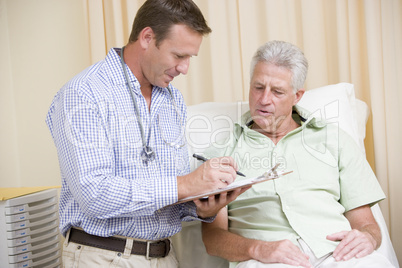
299 95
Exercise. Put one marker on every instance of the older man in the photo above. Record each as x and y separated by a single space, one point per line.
317 216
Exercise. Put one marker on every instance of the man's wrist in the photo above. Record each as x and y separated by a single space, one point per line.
191 209
375 239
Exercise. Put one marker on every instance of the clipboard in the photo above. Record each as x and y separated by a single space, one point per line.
269 175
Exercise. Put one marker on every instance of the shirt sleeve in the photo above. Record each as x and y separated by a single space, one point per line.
84 140
359 185
190 213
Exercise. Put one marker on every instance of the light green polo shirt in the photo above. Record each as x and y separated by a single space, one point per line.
330 176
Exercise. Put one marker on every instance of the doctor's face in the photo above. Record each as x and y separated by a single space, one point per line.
172 57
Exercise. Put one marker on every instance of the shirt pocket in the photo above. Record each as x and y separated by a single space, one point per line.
170 126
130 141
313 170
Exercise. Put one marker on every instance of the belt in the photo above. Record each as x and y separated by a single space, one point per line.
149 249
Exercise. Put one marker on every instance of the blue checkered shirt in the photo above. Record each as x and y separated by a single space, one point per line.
106 188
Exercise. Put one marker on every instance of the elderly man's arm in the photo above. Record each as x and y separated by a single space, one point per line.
220 242
364 238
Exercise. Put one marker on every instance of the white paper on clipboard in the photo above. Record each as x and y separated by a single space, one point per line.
269 175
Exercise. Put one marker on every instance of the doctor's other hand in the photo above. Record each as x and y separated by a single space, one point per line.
210 207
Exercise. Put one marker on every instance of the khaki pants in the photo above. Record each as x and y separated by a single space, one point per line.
81 256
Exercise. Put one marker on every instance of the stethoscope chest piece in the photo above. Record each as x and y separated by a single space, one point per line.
147 154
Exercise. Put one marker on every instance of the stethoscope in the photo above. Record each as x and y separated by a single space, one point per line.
147 153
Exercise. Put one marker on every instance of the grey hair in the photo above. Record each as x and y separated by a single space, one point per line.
286 55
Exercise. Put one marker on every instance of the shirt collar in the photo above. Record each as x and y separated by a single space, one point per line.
113 62
311 119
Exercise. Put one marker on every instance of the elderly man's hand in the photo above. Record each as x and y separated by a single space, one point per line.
353 243
282 251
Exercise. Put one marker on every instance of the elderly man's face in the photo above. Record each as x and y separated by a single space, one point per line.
271 98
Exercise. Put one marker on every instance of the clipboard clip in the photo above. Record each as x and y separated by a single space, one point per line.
272 173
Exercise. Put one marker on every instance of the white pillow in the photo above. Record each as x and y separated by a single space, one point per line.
337 105
362 115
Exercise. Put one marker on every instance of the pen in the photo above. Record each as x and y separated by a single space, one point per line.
203 159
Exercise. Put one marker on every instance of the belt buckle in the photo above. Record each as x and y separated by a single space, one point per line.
147 251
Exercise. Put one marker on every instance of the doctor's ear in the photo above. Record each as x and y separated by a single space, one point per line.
146 37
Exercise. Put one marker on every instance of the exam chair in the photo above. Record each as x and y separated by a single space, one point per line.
211 122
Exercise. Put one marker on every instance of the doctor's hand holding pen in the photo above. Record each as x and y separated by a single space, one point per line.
213 174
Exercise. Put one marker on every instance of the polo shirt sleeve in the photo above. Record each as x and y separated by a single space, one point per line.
358 183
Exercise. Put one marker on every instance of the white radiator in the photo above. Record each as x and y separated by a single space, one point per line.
29 231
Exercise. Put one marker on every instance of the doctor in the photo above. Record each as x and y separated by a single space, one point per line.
118 127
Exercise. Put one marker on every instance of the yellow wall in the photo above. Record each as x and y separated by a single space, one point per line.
43 44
